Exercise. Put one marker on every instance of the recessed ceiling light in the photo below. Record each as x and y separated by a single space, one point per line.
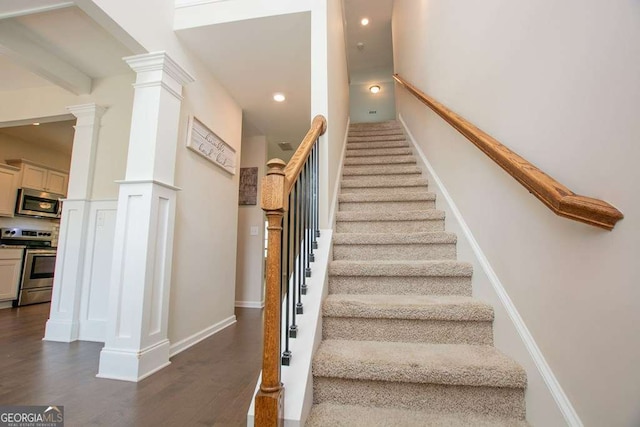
36 124
278 97
365 21
374 89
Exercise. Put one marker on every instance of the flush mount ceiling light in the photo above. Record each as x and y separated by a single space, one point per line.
365 21
374 89
278 97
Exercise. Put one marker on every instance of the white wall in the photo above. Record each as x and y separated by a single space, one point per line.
362 102
204 253
558 83
16 148
250 257
329 93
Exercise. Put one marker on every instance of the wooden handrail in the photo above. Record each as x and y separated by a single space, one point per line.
556 196
292 171
276 187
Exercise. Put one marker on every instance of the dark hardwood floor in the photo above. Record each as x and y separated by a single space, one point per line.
210 384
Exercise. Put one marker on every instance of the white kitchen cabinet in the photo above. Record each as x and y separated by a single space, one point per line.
40 177
10 263
8 189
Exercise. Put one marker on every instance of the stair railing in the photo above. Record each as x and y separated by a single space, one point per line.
289 199
561 200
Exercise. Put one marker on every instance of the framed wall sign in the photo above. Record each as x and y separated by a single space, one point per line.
203 141
248 186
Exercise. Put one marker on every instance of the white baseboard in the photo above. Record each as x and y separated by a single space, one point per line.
250 304
336 187
6 304
194 339
564 405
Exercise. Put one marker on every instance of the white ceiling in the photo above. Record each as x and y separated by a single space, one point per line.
57 136
253 59
71 38
16 77
375 61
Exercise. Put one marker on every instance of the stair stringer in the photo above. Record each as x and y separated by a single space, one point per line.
547 404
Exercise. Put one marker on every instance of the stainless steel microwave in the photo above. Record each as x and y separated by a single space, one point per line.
38 203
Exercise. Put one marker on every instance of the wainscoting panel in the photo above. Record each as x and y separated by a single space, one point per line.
97 271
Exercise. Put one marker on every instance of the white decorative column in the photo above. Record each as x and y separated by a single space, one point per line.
136 344
63 324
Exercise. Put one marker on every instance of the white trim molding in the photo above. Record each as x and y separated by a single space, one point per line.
336 187
250 304
194 339
544 370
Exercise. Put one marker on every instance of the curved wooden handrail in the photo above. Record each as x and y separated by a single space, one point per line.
556 196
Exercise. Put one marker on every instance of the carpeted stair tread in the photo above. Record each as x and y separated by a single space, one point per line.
373 216
447 364
376 145
380 160
395 151
439 268
376 138
374 197
380 170
422 307
393 238
370 132
335 415
375 182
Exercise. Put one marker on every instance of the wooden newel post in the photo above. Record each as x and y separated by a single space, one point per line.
269 407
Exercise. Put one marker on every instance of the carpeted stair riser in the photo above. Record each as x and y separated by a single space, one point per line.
398 222
407 318
382 207
404 373
401 278
408 330
375 138
391 124
436 398
396 131
327 414
381 171
354 146
370 152
430 251
378 160
399 285
388 185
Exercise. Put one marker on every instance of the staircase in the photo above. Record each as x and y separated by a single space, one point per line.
404 343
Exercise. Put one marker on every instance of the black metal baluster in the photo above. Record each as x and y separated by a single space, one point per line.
318 189
303 235
307 219
293 330
299 249
314 202
286 355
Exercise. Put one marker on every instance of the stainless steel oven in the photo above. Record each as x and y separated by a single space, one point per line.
38 263
37 276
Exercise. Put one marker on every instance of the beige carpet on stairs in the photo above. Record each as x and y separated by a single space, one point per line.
404 342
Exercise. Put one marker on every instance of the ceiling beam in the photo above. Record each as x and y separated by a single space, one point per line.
25 48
